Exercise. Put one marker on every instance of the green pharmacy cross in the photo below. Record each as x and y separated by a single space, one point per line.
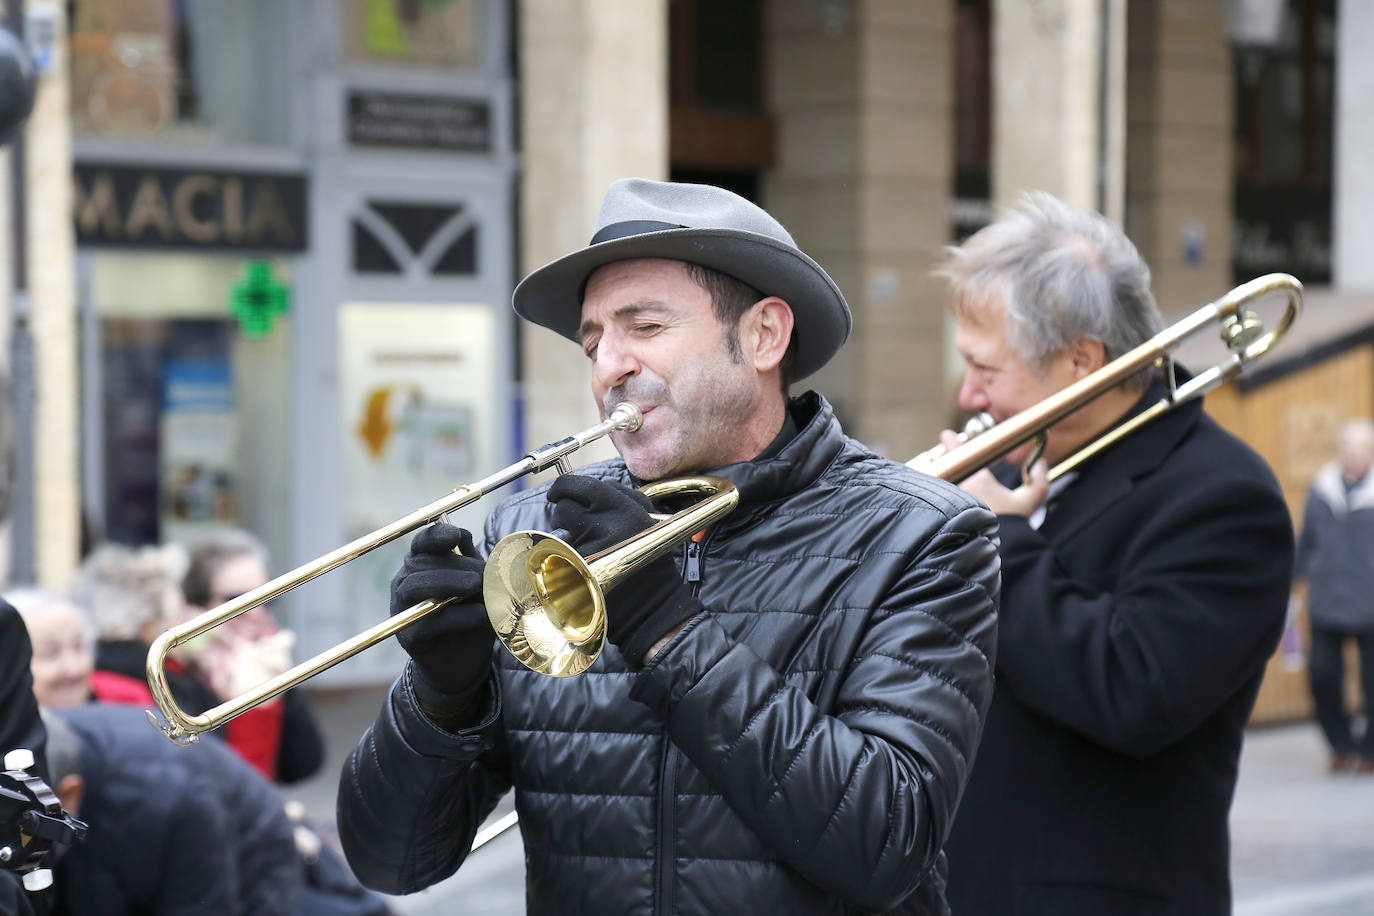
257 299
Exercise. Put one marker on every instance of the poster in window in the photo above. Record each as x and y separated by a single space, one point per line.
198 431
418 401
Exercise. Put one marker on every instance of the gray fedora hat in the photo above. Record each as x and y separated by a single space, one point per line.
704 225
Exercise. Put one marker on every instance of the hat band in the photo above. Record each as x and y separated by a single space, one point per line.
630 227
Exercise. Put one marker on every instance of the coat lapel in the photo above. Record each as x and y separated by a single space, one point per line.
1106 479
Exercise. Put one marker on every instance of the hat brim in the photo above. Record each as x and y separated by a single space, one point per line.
552 295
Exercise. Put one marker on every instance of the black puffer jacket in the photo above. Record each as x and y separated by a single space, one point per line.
799 748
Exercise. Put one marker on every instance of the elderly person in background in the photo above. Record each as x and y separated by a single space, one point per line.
1336 558
281 739
63 646
132 595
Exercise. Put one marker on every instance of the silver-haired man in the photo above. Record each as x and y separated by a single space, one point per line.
1142 595
1336 559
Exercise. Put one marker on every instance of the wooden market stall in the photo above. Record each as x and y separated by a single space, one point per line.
1289 411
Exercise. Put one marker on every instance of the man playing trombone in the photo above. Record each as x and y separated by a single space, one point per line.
1142 595
789 703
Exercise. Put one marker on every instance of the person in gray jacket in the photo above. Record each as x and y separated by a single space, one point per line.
1336 557
788 706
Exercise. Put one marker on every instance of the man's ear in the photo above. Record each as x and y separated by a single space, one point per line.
1089 354
769 332
69 790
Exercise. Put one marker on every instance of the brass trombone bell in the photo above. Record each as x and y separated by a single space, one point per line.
547 602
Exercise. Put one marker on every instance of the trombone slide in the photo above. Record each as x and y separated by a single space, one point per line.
182 727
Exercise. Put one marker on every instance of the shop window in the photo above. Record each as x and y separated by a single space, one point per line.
194 71
436 33
972 117
717 121
185 414
1283 136
170 429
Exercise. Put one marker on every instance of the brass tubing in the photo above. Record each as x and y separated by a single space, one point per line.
546 602
183 727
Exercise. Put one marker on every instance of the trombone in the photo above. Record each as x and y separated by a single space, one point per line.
545 601
1241 330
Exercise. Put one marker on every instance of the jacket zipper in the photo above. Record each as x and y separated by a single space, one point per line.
691 569
668 766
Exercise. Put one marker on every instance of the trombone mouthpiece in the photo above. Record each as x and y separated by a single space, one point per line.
626 416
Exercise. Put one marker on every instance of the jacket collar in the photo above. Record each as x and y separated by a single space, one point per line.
797 466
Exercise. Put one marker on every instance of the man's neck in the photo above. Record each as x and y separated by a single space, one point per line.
785 434
1090 421
764 427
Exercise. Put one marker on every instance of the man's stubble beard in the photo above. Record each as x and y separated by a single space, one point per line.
709 417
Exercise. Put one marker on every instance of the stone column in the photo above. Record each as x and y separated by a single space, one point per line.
52 319
52 283
1046 98
1352 193
862 96
594 108
1180 109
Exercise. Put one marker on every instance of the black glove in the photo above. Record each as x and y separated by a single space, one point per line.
651 601
451 648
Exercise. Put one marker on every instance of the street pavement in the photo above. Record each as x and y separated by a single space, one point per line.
1302 838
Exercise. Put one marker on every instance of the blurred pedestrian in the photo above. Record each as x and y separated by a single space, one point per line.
169 829
63 646
131 595
20 727
1336 558
281 739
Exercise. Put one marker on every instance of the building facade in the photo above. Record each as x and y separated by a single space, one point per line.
272 269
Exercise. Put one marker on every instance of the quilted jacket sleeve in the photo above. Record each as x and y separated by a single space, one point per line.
412 796
859 799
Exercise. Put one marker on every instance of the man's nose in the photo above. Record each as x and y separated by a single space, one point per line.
76 663
613 364
971 394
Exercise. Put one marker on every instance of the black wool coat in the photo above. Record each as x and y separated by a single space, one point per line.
1134 630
